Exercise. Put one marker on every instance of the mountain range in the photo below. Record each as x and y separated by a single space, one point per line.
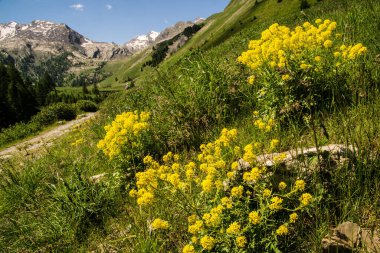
29 44
44 38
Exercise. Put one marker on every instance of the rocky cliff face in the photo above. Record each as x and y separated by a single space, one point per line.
172 31
41 38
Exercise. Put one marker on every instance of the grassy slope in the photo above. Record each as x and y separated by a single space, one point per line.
218 27
48 204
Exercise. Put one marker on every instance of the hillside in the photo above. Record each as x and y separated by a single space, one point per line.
260 134
237 16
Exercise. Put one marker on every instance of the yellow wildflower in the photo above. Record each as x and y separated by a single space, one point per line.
254 217
285 77
196 227
276 203
159 224
293 217
188 249
233 229
282 185
192 219
300 185
305 199
267 193
328 44
241 241
227 202
237 191
208 242
251 80
282 230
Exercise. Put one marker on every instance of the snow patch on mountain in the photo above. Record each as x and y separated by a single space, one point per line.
142 41
8 30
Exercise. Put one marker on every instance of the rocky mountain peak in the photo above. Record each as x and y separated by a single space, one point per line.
42 38
142 41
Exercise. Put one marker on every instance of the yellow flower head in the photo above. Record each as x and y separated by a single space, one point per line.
254 217
208 242
241 241
233 229
275 203
328 44
159 224
293 217
227 202
267 193
305 199
196 227
251 80
317 58
192 219
188 249
282 230
237 191
285 77
282 185
300 185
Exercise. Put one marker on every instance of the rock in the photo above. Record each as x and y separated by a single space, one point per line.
348 237
96 179
370 241
343 239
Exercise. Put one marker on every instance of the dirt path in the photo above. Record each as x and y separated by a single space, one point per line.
44 139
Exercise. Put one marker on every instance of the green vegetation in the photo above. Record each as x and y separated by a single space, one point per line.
45 118
26 108
158 190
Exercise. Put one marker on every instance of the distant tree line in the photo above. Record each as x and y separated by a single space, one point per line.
20 98
17 97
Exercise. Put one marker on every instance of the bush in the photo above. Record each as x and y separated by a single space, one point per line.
44 117
86 106
304 71
63 111
49 115
227 209
127 138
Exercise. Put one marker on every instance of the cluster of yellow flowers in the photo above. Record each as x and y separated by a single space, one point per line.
287 64
77 142
124 131
263 124
215 190
159 224
280 47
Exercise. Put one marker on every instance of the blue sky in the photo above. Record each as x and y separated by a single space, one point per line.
110 20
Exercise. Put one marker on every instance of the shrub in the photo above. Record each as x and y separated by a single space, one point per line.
49 115
304 70
44 117
127 137
229 208
86 106
63 111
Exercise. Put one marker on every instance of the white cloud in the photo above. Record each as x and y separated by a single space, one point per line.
77 7
109 7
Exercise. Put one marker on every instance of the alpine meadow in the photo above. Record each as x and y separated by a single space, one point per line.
254 130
